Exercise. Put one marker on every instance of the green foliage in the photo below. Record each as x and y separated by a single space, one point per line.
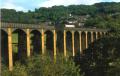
107 21
48 67
5 71
114 70
108 7
44 66
59 14
102 58
19 70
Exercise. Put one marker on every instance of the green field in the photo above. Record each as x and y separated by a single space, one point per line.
15 42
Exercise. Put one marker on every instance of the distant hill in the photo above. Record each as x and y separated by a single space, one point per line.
98 12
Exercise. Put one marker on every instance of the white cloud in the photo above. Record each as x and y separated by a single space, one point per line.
10 5
116 0
89 2
50 3
24 5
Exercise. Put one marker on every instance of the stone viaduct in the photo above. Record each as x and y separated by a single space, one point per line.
45 39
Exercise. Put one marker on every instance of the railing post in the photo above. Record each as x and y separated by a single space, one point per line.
10 49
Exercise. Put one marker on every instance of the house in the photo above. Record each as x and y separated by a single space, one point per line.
76 21
69 25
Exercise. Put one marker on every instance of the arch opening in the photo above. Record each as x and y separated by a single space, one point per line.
83 43
36 47
4 47
94 36
19 45
60 41
49 42
69 42
89 38
77 43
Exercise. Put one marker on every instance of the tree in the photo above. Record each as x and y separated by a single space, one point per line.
44 66
102 58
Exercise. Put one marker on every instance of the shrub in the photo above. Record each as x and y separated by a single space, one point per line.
44 66
114 69
19 70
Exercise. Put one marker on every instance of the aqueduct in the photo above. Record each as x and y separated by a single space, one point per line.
42 39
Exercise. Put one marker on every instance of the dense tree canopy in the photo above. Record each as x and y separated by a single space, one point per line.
102 15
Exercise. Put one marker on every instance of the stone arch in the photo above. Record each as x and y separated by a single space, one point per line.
14 29
19 44
69 41
38 30
49 42
4 29
47 30
83 39
36 47
60 41
77 42
4 47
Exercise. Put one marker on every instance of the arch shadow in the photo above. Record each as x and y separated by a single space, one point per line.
19 44
49 42
60 41
36 46
69 42
4 47
83 43
77 42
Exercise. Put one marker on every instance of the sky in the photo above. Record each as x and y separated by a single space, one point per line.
25 5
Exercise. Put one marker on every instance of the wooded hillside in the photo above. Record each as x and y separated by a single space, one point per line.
102 15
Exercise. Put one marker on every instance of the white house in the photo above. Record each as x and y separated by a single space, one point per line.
68 25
